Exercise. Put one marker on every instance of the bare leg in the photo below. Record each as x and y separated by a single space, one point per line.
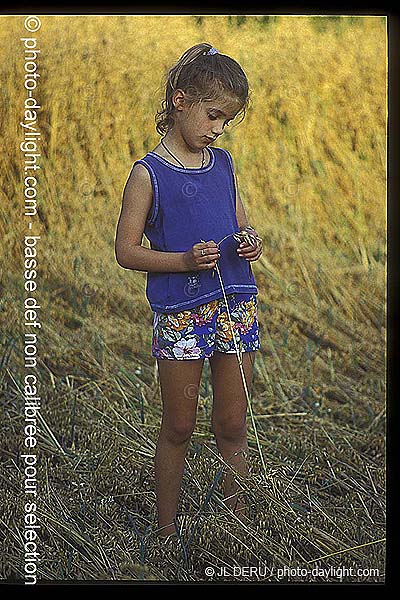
229 417
179 380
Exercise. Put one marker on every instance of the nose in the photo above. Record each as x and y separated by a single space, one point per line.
217 129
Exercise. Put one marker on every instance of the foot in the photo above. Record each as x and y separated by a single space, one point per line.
166 531
241 511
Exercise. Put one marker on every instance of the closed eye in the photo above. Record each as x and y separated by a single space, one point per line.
214 118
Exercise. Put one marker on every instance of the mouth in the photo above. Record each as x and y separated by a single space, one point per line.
210 139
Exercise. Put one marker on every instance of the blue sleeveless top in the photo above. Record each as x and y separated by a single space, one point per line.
190 205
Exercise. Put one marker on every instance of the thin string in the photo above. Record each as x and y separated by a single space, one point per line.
177 159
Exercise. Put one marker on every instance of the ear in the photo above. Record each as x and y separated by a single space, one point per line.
178 99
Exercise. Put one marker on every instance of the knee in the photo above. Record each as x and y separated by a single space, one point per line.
230 429
178 432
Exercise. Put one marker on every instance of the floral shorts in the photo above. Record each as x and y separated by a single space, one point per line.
197 332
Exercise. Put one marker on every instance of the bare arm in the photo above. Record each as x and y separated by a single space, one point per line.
240 211
130 254
249 251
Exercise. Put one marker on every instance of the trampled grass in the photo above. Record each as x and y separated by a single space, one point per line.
311 163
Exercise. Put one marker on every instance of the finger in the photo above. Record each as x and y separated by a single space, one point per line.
208 251
246 246
204 244
257 255
246 250
208 257
210 265
250 254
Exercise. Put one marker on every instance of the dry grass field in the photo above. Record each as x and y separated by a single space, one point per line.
311 163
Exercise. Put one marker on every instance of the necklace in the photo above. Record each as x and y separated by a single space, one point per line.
177 159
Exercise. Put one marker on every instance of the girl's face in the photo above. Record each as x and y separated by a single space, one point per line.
202 123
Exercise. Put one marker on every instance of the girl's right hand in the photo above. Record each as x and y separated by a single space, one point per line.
195 261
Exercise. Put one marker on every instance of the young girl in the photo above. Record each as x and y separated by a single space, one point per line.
184 196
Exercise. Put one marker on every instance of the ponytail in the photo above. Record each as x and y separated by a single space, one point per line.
186 58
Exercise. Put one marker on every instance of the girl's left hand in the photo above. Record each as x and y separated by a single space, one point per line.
249 252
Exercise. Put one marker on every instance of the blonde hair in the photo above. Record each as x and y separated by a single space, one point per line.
202 77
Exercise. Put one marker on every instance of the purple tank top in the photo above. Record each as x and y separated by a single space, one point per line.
190 205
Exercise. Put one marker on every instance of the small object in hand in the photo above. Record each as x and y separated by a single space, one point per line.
245 235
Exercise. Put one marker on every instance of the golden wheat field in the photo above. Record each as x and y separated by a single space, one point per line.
311 163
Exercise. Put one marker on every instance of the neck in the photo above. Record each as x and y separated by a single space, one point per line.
177 144
182 153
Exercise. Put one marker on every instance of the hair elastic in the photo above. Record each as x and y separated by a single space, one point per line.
212 51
